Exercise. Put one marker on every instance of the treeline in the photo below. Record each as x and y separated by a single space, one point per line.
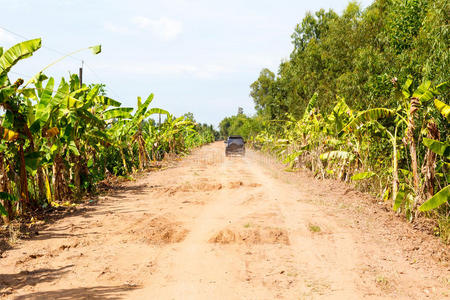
363 56
240 124
362 98
59 140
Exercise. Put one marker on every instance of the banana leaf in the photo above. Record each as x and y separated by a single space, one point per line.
437 200
438 147
155 110
443 108
7 197
291 157
103 100
337 155
118 113
17 52
362 175
3 211
423 92
312 102
366 116
96 49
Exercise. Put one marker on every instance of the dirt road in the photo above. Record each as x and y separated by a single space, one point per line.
228 228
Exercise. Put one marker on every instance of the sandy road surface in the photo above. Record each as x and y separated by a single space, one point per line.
226 228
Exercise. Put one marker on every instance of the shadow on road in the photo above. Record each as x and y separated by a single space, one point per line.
30 278
92 293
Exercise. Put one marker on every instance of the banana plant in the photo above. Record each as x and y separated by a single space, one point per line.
132 125
14 127
442 149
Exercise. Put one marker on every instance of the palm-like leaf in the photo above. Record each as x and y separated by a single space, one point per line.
443 108
367 116
437 200
17 52
438 147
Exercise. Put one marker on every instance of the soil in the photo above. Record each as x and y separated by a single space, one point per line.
215 227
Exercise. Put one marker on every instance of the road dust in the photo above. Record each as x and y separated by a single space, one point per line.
212 227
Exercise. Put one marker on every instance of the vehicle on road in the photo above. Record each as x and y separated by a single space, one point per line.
235 145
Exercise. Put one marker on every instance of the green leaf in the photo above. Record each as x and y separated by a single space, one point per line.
43 108
367 116
438 147
440 88
344 155
5 93
423 92
437 200
143 108
399 199
29 93
312 102
32 161
118 113
443 108
17 52
107 101
96 49
72 147
93 92
62 93
291 157
405 87
3 211
362 175
153 111
7 197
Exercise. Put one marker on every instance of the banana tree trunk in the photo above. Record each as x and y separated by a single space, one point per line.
124 162
77 177
24 196
130 152
395 180
41 195
59 186
4 188
41 184
414 104
429 167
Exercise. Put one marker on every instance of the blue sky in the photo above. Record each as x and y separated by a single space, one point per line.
198 56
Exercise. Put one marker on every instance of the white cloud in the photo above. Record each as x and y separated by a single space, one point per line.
164 28
6 37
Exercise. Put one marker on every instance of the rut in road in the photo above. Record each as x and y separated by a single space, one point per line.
221 228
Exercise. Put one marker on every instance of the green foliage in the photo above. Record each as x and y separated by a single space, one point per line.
437 147
16 53
341 155
362 175
437 200
239 124
443 108
58 145
366 116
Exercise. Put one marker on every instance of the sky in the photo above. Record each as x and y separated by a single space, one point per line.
195 56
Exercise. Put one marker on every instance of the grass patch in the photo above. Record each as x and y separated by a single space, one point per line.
444 229
382 282
314 228
247 225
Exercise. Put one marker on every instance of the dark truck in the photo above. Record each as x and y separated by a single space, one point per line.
235 145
